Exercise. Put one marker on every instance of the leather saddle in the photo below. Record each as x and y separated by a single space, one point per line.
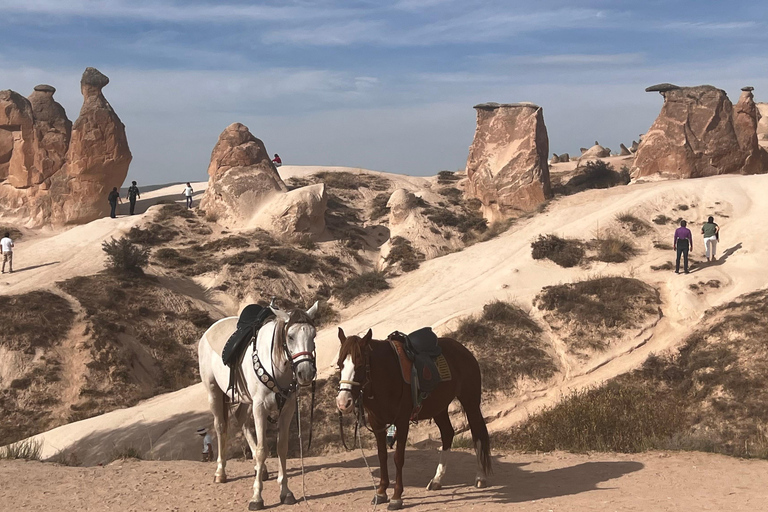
248 325
421 362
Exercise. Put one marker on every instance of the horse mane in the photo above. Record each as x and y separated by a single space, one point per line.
350 347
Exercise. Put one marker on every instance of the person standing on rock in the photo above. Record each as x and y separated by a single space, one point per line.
188 194
133 194
113 199
207 445
711 232
6 248
682 244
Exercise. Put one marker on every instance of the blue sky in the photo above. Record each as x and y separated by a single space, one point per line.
376 84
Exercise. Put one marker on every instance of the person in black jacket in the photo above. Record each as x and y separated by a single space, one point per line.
113 199
133 194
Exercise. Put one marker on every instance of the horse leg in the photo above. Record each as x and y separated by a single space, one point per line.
380 432
245 418
220 420
259 455
443 422
480 439
283 433
396 503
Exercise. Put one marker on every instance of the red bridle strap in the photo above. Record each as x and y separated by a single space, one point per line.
301 354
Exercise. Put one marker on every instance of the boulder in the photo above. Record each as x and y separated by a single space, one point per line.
624 150
507 166
296 212
634 146
699 133
594 153
565 157
241 177
555 159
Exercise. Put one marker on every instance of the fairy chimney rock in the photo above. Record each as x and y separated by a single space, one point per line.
52 132
507 167
699 133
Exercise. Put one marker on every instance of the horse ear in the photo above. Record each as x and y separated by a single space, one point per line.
342 338
311 312
368 336
280 314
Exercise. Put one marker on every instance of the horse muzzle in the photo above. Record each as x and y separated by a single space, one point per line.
305 372
344 401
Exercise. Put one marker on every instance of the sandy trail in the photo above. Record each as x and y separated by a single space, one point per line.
654 481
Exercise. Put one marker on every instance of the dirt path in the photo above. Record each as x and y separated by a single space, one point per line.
656 481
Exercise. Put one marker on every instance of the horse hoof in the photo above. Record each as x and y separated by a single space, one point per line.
480 483
434 486
395 505
256 505
288 499
378 499
220 479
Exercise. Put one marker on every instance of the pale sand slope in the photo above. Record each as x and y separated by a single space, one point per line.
552 482
41 259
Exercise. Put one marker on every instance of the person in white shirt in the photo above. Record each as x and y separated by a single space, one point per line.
207 445
6 248
188 193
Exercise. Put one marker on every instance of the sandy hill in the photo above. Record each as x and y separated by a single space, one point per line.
445 290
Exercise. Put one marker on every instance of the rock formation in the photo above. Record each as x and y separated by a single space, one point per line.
762 124
595 152
624 150
245 189
507 166
565 157
555 159
54 172
699 133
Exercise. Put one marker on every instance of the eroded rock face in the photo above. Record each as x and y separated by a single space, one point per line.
762 123
246 191
56 172
507 166
699 133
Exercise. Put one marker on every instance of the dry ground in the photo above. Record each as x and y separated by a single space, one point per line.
654 481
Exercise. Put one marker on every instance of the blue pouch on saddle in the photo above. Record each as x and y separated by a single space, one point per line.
422 348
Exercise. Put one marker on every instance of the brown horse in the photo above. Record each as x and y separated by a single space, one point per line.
370 371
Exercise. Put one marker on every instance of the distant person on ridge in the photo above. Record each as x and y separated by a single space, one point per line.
133 194
277 161
188 194
711 232
682 244
207 445
6 248
113 198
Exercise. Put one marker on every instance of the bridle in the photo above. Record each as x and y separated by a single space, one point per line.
350 385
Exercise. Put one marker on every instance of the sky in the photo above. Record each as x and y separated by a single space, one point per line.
384 85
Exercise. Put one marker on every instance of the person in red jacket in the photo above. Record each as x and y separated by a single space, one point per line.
277 160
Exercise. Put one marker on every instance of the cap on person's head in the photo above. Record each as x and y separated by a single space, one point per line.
711 219
201 431
683 223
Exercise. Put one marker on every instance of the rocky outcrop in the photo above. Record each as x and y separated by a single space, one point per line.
246 191
507 166
56 172
762 123
594 153
699 133
624 150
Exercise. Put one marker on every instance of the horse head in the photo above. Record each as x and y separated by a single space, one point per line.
352 363
297 331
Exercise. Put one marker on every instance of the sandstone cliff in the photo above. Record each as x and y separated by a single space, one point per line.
507 166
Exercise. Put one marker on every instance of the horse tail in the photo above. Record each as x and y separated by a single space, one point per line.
480 433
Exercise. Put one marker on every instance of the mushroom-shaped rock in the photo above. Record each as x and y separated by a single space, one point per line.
507 166
662 88
699 133
401 203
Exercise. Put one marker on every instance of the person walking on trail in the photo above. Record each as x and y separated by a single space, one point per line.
207 445
6 248
277 161
113 198
683 243
188 194
133 194
711 232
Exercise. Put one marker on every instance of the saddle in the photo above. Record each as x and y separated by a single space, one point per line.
248 325
421 362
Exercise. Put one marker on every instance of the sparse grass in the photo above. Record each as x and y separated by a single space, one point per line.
664 266
612 248
593 312
350 181
14 232
306 243
682 207
402 252
125 453
171 258
465 221
34 320
65 458
379 206
291 259
566 252
508 345
661 220
154 234
230 242
446 177
125 257
452 194
27 450
663 246
635 225
364 284
172 211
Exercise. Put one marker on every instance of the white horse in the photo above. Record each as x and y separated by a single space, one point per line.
284 358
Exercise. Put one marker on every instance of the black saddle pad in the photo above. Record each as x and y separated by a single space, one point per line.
423 341
250 321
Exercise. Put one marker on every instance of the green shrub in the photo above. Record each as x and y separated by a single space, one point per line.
123 256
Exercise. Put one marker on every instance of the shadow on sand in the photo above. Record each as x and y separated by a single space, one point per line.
700 265
32 267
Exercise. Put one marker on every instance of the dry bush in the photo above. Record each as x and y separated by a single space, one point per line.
566 252
446 177
174 211
465 221
663 246
661 220
14 233
222 244
154 234
591 313
350 181
379 206
291 259
507 344
612 248
367 283
27 450
402 252
34 320
635 225
171 258
664 266
124 257
452 194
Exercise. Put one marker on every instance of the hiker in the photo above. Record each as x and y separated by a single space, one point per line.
113 198
133 194
711 232
277 161
207 445
6 248
682 244
188 194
